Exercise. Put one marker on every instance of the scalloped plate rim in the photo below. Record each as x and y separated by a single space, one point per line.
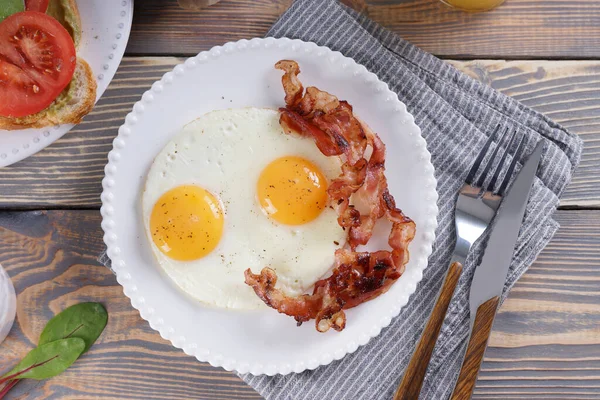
157 322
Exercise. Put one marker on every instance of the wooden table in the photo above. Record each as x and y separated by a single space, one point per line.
546 340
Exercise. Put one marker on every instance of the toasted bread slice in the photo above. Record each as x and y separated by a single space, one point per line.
76 101
67 13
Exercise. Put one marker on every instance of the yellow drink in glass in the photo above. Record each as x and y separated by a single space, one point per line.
473 5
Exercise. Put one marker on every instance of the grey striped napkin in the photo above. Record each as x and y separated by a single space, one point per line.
456 114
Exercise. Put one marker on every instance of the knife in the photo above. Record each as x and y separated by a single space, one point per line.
490 276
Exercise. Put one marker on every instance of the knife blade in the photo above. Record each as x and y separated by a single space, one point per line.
490 275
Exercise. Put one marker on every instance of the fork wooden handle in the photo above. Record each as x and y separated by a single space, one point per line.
482 327
411 384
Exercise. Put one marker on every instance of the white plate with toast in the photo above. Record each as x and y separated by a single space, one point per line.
237 75
105 26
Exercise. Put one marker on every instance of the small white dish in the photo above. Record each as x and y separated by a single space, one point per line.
8 304
241 74
105 30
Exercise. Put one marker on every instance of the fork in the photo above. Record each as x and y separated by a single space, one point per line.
475 209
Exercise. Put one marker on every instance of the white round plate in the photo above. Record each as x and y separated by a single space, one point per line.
8 304
241 74
106 25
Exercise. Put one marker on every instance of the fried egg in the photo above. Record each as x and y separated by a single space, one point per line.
232 191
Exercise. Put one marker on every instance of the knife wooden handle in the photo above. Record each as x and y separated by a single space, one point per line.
482 328
411 384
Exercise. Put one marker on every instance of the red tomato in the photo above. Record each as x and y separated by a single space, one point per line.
37 61
37 5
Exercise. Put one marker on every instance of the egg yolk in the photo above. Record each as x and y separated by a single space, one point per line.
292 190
186 223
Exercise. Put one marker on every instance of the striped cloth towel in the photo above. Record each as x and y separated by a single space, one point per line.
456 114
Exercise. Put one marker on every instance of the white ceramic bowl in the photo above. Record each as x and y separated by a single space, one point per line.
8 304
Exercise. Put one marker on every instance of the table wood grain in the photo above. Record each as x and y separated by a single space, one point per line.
545 344
519 29
546 340
69 172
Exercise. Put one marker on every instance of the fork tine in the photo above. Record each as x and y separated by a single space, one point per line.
481 155
511 168
490 161
494 179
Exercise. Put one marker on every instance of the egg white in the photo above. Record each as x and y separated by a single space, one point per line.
225 152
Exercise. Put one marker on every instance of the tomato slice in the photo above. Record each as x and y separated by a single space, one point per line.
37 61
37 5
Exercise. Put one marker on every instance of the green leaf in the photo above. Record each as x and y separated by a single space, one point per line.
9 7
48 360
84 320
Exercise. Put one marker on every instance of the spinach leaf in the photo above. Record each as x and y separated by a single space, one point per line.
47 360
84 320
9 7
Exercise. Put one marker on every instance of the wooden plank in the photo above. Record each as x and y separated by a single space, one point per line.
51 257
545 344
69 172
567 92
546 338
518 29
161 27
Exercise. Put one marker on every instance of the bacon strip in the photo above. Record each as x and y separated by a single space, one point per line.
357 276
291 84
340 123
291 121
340 190
371 193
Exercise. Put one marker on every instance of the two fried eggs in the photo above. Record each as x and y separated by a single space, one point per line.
232 191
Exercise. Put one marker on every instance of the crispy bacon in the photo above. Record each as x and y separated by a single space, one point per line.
321 115
357 276
315 101
341 123
303 103
291 121
371 193
340 190
291 84
323 305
